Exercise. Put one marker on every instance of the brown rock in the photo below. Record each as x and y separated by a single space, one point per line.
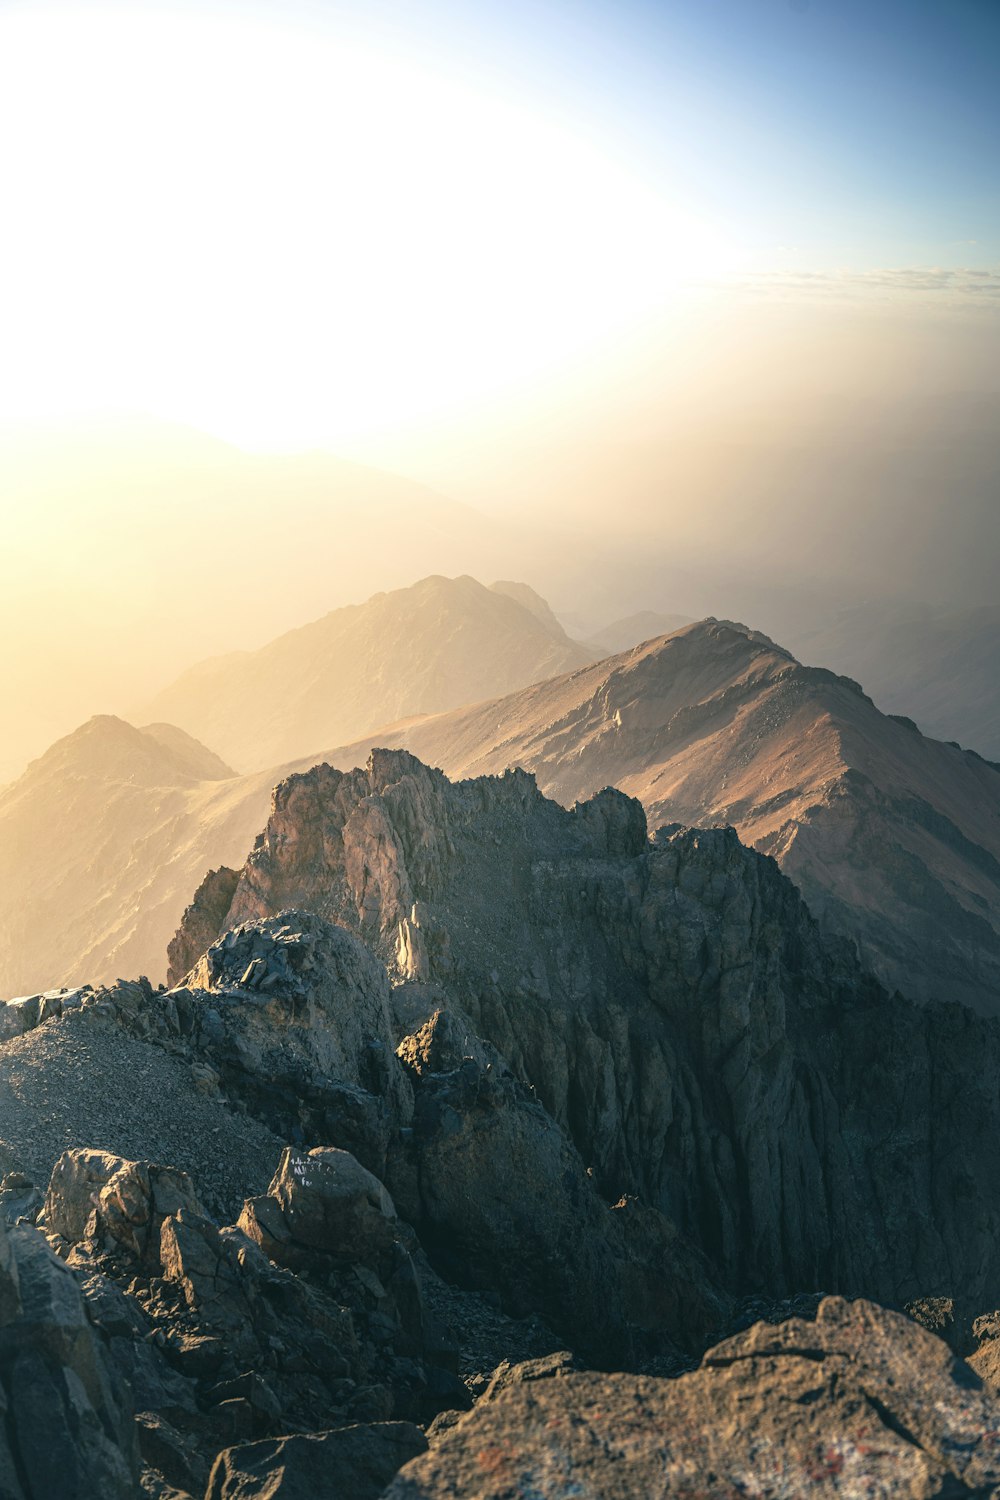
861 1402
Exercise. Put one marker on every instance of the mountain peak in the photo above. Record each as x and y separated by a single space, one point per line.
108 748
433 646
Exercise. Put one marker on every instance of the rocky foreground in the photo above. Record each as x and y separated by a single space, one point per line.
504 1153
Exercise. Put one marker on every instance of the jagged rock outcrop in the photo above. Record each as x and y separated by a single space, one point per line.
861 1401
67 1426
291 1022
893 838
226 1335
678 1013
202 922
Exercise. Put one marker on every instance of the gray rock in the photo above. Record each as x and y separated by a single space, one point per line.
328 1202
354 1461
68 1428
93 1195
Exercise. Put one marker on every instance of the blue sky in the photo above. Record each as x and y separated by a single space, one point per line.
862 132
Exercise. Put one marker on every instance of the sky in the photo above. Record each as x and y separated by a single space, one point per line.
332 224
710 288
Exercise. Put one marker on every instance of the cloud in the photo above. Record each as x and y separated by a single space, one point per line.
959 287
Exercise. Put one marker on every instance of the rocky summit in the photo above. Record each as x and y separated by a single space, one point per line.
892 837
487 1148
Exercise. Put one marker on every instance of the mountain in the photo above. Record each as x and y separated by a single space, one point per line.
104 836
100 837
438 644
221 574
595 1134
676 1011
621 635
939 666
893 838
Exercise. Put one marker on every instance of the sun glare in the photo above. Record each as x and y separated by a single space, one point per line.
282 237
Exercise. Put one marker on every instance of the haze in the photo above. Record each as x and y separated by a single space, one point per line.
656 307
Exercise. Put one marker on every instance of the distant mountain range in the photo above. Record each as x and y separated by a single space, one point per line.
99 838
938 666
442 643
893 838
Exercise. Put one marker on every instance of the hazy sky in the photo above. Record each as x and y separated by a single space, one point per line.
706 283
326 224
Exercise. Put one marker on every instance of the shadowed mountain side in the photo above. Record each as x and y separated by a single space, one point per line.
893 838
441 643
675 1006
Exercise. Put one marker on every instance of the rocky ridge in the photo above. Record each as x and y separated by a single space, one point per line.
677 1012
893 838
546 1089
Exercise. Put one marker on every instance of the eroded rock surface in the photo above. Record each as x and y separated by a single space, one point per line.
67 1427
859 1402
679 1015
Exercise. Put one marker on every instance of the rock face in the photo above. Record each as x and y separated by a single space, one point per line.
679 1016
68 1420
893 838
201 922
222 1340
859 1402
286 1027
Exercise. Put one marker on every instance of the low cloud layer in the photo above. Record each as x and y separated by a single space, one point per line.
965 286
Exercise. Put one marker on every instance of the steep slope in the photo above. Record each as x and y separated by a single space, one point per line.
893 838
678 1013
98 841
441 643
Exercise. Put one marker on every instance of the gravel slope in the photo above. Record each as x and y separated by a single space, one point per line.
76 1083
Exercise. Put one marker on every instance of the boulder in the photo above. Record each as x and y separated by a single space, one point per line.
860 1402
93 1195
323 1200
